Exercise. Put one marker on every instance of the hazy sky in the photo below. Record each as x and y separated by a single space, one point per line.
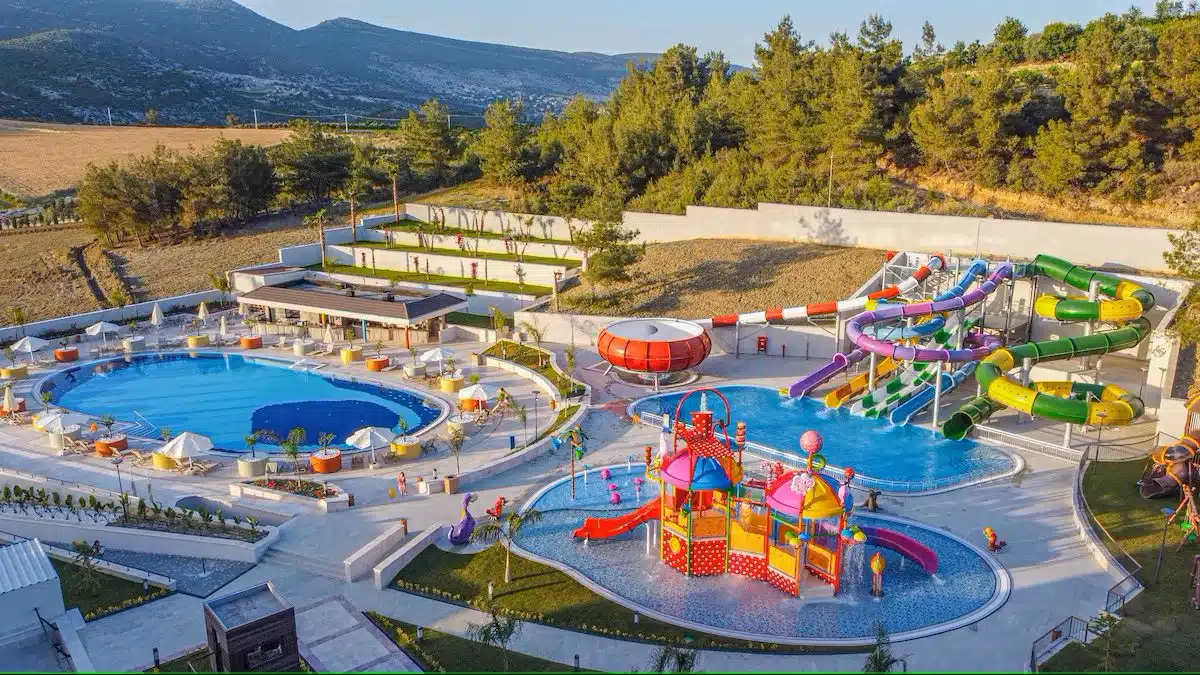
618 26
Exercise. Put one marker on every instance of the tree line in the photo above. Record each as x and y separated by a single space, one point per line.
1107 108
166 194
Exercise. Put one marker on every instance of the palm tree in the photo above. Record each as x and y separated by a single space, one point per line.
534 331
669 658
881 659
522 416
394 163
220 282
251 440
318 221
498 631
505 531
17 317
87 578
291 449
455 440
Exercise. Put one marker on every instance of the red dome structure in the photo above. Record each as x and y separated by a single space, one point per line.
654 345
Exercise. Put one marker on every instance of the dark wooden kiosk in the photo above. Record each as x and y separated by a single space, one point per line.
252 630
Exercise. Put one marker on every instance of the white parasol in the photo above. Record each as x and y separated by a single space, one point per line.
329 336
223 327
185 445
10 403
29 345
157 320
370 438
438 354
103 328
202 313
59 422
477 392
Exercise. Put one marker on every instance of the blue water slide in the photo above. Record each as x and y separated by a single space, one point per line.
921 400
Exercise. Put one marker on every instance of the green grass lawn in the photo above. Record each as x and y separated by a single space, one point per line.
113 591
198 661
546 595
413 226
1160 627
473 320
443 652
441 279
454 252
536 359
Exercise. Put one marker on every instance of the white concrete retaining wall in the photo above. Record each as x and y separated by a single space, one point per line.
448 265
143 541
535 248
1136 247
117 315
387 570
364 559
528 373
303 255
546 227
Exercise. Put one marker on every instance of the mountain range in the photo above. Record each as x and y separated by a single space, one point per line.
194 61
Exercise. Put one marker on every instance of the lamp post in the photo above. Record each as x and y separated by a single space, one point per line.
120 486
1100 432
1167 515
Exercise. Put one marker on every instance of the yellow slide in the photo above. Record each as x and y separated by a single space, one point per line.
859 383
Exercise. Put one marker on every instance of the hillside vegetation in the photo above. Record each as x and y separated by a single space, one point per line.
1093 122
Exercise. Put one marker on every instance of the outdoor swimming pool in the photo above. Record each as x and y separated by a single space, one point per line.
966 588
227 396
909 454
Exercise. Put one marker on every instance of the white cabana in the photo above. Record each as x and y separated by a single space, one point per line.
185 446
370 438
475 392
103 328
29 345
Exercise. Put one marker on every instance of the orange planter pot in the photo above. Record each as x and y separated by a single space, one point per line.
377 363
106 447
251 341
470 404
66 355
331 462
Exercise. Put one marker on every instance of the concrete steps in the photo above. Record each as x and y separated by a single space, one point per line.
309 564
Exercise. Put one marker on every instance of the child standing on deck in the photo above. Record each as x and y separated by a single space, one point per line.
402 484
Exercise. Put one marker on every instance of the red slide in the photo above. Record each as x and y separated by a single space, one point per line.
603 528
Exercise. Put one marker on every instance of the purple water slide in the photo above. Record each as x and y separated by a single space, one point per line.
904 545
854 328
822 375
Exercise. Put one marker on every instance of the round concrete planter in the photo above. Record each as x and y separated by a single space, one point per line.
251 341
195 341
450 385
460 423
66 354
376 364
134 344
406 447
14 372
252 468
414 369
351 354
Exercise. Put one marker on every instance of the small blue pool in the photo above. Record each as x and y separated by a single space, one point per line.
966 588
228 396
910 455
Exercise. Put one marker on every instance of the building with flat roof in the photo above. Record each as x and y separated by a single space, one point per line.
253 629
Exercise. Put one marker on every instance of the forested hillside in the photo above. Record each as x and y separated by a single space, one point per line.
1102 116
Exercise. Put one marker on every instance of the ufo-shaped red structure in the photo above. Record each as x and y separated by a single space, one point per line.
653 346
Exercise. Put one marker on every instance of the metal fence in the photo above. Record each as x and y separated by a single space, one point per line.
1071 629
1025 443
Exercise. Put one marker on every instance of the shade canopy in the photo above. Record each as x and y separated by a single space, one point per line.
438 354
10 403
369 438
29 344
102 328
156 316
820 500
708 473
224 326
476 391
185 445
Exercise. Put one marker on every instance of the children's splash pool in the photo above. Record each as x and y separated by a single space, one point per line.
969 585
910 456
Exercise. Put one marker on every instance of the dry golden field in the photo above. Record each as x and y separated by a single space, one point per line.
38 158
40 276
707 277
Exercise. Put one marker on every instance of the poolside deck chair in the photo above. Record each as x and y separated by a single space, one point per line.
392 365
358 462
78 446
203 467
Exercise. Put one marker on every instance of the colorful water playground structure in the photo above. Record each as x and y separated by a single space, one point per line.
711 519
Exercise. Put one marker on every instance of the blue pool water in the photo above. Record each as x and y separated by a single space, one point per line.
912 599
227 396
874 448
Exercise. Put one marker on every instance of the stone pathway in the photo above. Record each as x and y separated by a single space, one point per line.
336 638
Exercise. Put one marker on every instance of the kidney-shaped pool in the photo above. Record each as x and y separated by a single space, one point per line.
228 396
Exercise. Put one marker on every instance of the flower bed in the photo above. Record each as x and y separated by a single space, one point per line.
538 360
128 604
302 488
197 529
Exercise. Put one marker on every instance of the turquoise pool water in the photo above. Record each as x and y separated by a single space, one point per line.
227 396
875 449
965 584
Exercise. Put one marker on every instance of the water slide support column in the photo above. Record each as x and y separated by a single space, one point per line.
1090 328
1010 287
1026 366
737 339
871 374
937 392
1033 289
1067 435
838 330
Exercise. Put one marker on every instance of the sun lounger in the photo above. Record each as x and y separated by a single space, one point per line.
201 468
16 418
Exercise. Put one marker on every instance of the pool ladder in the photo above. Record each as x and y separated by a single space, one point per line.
143 428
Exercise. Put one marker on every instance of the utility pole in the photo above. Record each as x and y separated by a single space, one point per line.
829 190
109 116
347 123
256 118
